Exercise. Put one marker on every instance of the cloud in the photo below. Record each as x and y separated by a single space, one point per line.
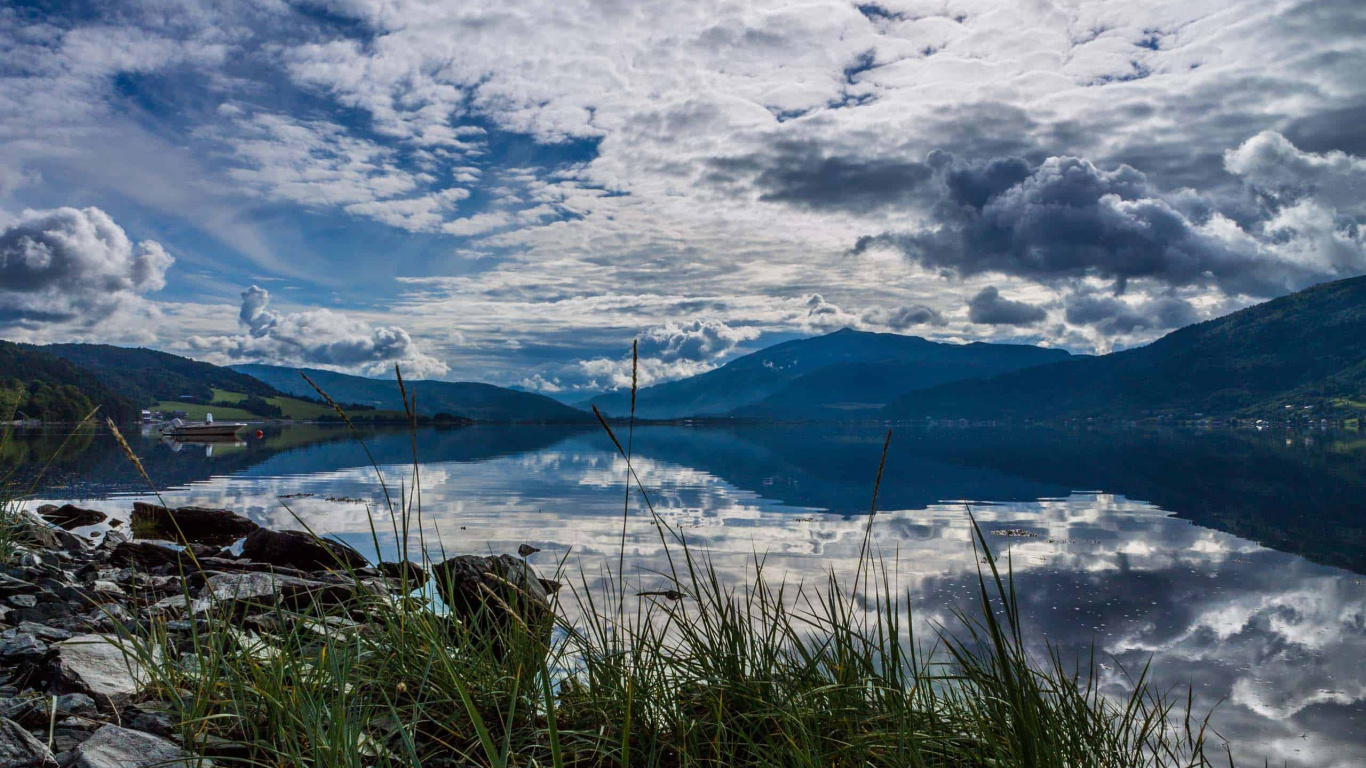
1067 219
1270 163
1112 316
318 337
822 316
699 340
76 266
903 317
989 307
666 352
804 174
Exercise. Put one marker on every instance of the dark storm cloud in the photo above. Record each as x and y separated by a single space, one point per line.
801 174
989 307
1112 316
1066 219
1343 130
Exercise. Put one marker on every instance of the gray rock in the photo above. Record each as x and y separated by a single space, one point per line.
469 583
155 722
23 601
115 747
16 645
299 549
77 704
70 516
9 585
96 665
44 632
192 523
19 749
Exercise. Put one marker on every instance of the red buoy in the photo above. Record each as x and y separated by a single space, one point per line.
260 434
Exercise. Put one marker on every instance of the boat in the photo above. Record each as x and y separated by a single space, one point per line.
179 428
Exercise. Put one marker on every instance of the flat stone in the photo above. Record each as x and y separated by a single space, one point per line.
20 749
97 666
115 747
23 601
44 632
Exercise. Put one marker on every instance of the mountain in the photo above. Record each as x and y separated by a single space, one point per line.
148 376
860 390
1308 348
481 402
838 375
51 388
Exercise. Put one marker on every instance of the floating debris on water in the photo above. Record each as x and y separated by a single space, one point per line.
1016 533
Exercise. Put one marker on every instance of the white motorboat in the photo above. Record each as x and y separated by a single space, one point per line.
206 428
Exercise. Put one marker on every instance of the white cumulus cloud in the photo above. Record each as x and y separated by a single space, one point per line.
318 337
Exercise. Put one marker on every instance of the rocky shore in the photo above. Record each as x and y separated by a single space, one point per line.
80 599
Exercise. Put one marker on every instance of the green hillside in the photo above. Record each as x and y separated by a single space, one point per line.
147 376
1305 349
44 386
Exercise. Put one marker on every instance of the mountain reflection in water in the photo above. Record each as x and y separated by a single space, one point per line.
1232 559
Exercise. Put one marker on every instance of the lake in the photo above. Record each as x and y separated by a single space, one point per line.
1232 559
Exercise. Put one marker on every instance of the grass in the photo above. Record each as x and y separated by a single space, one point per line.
761 673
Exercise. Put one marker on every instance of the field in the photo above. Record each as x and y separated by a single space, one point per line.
196 411
291 408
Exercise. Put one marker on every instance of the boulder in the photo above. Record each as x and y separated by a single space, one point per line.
413 572
191 523
70 516
19 749
115 747
495 594
299 549
98 666
150 554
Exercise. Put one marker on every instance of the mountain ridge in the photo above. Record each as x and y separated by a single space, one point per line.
1306 348
891 363
473 400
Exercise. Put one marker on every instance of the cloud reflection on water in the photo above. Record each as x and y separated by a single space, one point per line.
1278 639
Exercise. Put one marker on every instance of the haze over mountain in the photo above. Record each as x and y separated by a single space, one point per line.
482 402
843 374
1308 348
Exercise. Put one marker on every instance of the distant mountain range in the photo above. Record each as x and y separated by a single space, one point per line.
845 374
1305 349
481 402
1302 353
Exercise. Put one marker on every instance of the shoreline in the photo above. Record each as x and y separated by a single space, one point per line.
137 648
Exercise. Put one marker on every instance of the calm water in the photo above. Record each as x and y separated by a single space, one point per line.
1233 559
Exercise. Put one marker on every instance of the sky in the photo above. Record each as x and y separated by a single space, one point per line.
514 191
